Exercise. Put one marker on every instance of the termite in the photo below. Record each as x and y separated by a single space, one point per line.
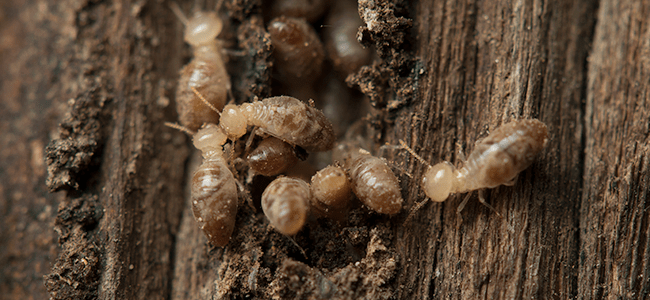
331 192
206 72
340 36
496 160
285 203
272 157
373 182
213 186
298 51
283 117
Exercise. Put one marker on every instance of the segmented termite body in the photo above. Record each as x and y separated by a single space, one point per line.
373 182
496 160
206 72
213 188
283 117
271 157
340 36
331 192
285 203
298 51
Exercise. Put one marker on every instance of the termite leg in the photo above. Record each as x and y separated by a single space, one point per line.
512 181
481 198
249 141
462 204
415 209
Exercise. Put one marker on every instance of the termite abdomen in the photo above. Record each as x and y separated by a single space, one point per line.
298 52
373 182
501 156
272 157
285 203
331 192
214 199
340 36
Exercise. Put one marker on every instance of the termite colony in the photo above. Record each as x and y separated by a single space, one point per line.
274 135
277 133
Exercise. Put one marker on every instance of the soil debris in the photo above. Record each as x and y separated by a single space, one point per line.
69 156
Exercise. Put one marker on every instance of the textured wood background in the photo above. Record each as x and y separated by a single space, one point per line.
575 225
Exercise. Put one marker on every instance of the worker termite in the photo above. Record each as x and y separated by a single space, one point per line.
206 72
213 186
331 192
496 160
298 52
285 203
283 117
373 182
272 157
340 36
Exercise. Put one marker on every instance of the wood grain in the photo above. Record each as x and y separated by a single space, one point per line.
575 225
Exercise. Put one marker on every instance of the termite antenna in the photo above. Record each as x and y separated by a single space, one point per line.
415 209
424 162
205 101
180 128
299 248
178 12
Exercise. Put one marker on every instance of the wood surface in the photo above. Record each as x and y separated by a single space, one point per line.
89 84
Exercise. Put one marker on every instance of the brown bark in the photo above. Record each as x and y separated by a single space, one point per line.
575 225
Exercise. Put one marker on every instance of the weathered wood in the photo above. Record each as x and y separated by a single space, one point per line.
575 225
488 63
614 214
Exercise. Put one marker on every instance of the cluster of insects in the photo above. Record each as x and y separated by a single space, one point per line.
289 128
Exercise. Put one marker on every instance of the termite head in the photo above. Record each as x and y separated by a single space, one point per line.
439 181
202 28
209 139
233 121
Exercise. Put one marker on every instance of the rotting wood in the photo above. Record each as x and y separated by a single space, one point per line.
576 223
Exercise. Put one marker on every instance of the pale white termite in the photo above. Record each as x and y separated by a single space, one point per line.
213 186
496 160
373 182
206 72
285 203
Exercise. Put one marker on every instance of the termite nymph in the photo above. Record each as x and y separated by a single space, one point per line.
340 36
331 192
284 117
298 51
373 182
206 72
213 186
496 160
285 203
272 157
